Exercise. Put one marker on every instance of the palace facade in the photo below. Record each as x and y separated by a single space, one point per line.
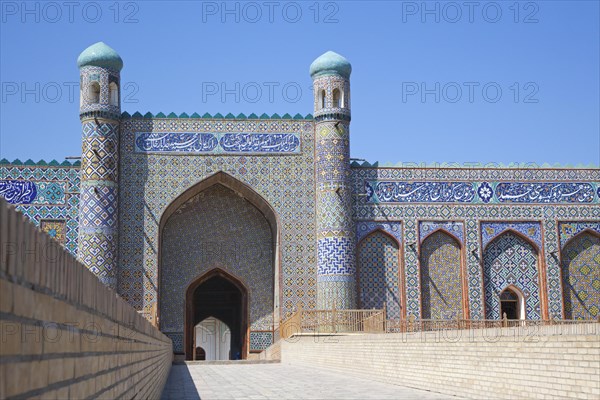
229 223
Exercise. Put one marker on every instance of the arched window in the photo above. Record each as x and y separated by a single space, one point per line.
322 99
337 98
113 94
93 93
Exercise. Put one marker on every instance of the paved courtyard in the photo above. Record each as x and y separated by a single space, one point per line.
278 381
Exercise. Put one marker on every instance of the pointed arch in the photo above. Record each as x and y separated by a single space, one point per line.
586 230
447 232
190 321
512 258
441 274
260 254
383 231
381 286
232 183
517 233
579 265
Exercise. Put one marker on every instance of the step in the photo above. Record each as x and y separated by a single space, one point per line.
226 362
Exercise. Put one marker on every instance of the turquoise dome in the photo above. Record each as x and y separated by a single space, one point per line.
100 55
330 63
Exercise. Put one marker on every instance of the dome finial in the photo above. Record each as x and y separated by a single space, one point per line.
330 63
100 55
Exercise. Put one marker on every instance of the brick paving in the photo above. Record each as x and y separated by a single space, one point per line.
278 381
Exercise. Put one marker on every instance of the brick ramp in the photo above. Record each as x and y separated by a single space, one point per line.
63 333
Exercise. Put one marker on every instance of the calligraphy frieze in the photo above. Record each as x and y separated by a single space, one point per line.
420 192
544 192
482 192
216 143
18 192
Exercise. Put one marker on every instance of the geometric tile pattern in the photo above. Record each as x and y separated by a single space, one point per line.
581 277
55 229
336 254
454 228
472 214
98 208
510 260
216 228
153 181
441 287
96 251
378 274
260 340
56 194
335 226
177 339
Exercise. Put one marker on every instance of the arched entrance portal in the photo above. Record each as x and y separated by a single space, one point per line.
219 224
213 300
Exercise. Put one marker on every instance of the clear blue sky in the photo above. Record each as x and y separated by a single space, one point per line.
175 52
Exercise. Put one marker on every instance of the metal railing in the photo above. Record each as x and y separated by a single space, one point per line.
550 326
332 321
374 321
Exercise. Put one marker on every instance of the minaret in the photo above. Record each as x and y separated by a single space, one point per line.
100 113
336 281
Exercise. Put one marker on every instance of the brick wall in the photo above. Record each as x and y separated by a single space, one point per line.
63 334
547 362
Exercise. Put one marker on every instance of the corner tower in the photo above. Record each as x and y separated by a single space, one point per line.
100 113
336 283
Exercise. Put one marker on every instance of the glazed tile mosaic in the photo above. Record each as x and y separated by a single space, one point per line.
581 276
441 287
55 229
333 215
379 274
260 340
45 192
216 229
510 260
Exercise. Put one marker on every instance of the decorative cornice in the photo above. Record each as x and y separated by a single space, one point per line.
172 115
41 163
470 165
